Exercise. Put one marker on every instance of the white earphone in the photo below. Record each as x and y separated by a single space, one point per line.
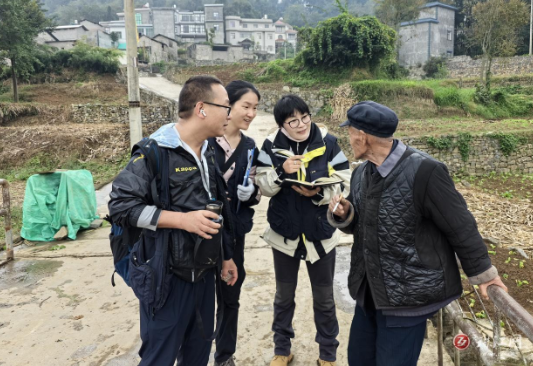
203 112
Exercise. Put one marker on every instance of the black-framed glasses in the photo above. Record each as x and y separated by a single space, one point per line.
296 122
220 105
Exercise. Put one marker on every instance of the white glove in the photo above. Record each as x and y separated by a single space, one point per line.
244 193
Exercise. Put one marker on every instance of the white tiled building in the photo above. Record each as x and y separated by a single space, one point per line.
285 33
260 32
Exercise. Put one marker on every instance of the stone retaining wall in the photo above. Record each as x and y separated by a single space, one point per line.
315 99
485 156
96 113
466 67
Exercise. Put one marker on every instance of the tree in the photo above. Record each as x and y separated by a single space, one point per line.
347 41
20 23
495 30
242 8
394 12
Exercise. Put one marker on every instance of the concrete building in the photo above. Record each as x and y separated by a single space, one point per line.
431 35
285 33
154 51
214 19
65 37
205 54
190 26
258 32
172 46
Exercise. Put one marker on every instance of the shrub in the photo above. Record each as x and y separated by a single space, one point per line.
347 41
435 68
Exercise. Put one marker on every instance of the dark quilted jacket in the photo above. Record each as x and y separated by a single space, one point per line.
408 252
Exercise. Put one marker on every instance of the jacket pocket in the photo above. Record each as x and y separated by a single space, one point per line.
319 228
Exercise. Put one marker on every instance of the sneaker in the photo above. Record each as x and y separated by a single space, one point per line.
320 362
229 362
281 360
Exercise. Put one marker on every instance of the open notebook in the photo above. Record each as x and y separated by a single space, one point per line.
320 182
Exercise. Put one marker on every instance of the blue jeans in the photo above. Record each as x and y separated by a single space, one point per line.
372 343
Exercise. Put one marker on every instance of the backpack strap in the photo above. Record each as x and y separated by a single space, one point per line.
150 149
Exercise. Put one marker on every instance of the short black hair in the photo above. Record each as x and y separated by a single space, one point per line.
237 88
196 89
287 106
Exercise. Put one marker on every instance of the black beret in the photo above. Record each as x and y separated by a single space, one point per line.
372 118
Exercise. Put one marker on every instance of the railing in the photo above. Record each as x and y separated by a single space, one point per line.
6 212
503 304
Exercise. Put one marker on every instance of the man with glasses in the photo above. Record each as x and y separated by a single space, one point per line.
298 228
174 330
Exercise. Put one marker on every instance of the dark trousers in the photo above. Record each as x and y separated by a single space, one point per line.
172 332
372 343
321 276
226 342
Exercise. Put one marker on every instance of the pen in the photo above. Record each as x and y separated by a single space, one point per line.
336 205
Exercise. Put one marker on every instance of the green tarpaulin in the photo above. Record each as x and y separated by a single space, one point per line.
54 200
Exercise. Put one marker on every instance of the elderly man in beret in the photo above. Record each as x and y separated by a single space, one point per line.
409 223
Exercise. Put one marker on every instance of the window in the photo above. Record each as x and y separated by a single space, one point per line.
215 15
232 24
184 29
280 29
449 35
267 25
256 25
270 49
200 29
215 27
259 36
138 19
292 36
232 35
280 37
245 25
270 36
185 18
243 35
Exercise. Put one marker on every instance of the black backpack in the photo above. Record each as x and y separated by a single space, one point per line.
122 239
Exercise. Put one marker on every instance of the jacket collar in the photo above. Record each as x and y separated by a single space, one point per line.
316 140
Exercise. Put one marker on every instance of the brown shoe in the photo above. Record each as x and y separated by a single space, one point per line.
281 360
320 362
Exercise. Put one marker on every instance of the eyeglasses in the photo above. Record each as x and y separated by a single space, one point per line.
296 122
220 105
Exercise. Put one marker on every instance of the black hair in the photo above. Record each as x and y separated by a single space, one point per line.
237 88
287 106
196 89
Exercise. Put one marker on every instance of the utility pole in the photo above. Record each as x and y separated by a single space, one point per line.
134 95
531 31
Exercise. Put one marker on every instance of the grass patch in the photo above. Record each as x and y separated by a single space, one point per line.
102 171
291 73
16 224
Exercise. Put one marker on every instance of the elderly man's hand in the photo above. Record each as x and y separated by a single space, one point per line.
342 209
496 281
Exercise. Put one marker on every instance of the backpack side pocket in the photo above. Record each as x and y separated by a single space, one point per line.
141 275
